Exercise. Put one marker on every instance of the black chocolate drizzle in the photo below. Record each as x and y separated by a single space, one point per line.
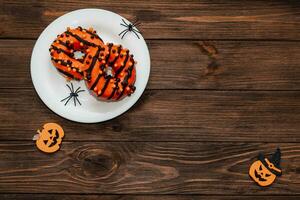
61 50
116 58
125 81
122 67
96 82
114 90
93 34
95 58
65 73
105 85
81 40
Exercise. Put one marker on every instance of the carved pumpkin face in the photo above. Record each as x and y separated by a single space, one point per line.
50 138
260 174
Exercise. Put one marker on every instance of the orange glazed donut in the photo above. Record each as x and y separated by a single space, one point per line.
63 48
109 70
120 81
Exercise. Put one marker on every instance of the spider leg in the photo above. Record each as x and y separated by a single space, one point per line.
65 98
68 100
80 91
77 89
136 24
74 101
136 31
124 25
125 22
78 100
136 34
72 88
135 20
122 32
69 87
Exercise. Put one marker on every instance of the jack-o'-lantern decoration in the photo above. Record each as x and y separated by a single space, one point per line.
49 139
264 171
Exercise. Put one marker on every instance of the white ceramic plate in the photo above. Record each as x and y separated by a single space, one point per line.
51 85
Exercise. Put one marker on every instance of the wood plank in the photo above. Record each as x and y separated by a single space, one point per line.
167 115
135 197
221 65
144 168
195 19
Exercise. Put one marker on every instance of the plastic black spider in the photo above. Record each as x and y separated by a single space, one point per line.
131 28
73 94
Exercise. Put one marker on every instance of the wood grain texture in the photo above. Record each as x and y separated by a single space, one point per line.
195 19
224 86
136 197
166 19
221 65
167 115
150 168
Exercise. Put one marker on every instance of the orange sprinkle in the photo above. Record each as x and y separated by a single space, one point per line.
91 29
122 74
115 65
103 61
74 70
81 44
59 62
128 89
88 50
99 92
84 35
69 68
95 89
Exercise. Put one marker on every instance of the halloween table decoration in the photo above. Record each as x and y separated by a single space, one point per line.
49 139
264 171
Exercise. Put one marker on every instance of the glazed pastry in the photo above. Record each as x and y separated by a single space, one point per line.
63 48
109 70
112 77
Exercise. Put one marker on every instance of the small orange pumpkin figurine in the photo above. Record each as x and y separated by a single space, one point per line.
49 139
264 171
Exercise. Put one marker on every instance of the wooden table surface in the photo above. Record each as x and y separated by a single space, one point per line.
224 86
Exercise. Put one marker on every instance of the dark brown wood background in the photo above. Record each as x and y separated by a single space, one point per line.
232 89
